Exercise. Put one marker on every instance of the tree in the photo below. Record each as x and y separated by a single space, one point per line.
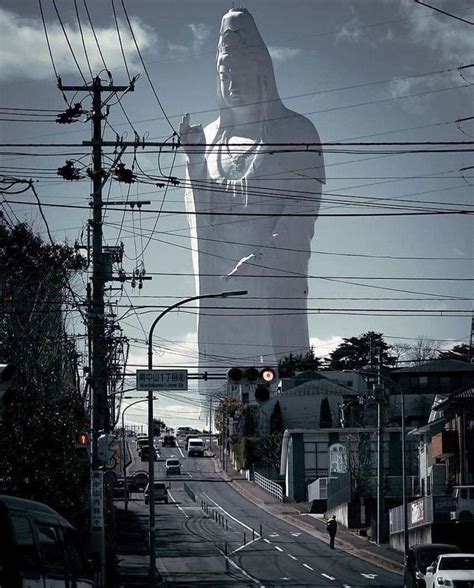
158 426
356 352
276 420
325 416
460 352
45 408
301 362
423 350
228 407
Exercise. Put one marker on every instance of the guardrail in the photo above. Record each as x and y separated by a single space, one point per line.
269 486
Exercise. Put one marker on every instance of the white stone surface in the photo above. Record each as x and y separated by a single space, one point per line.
266 255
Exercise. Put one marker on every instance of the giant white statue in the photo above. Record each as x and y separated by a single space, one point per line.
259 244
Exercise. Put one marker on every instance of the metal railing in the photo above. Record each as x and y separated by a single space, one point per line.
269 486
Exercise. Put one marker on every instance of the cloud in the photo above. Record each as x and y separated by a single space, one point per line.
200 33
19 35
323 347
280 54
452 40
350 31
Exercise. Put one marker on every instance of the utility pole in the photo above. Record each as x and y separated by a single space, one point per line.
98 376
210 423
379 395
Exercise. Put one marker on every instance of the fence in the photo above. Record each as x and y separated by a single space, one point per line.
269 486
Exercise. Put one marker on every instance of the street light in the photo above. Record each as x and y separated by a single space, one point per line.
124 448
151 463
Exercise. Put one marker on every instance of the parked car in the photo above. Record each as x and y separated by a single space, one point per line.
169 441
172 466
419 557
39 547
452 569
464 497
160 492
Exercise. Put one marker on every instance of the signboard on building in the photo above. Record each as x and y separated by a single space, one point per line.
337 458
97 500
162 380
417 511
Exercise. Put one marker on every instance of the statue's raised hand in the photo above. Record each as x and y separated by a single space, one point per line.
190 136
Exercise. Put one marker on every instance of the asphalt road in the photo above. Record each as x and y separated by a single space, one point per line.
222 539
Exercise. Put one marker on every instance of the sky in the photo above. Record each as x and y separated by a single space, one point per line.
360 70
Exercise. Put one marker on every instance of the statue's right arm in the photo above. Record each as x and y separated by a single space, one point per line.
192 140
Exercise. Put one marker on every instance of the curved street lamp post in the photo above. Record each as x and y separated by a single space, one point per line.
151 463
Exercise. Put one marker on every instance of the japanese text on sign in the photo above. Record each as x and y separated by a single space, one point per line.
162 379
97 500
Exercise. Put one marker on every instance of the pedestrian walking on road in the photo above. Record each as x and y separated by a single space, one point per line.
332 530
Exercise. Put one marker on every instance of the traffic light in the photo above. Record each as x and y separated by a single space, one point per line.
261 379
105 449
82 445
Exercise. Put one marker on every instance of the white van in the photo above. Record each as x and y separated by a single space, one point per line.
196 447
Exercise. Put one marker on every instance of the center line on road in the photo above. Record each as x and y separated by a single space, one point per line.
309 567
170 495
328 577
292 556
279 548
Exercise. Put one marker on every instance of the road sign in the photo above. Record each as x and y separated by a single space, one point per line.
97 500
162 380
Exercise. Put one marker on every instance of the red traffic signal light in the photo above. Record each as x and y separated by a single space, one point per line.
82 439
251 375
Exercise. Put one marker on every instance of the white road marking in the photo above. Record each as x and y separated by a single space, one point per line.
309 567
274 535
230 516
247 575
267 540
292 556
245 545
182 454
295 534
279 548
370 576
171 496
327 576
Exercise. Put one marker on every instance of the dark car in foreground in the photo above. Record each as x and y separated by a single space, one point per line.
419 557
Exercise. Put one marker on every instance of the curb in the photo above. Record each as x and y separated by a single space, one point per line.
360 553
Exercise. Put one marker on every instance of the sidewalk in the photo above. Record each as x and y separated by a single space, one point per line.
297 515
132 568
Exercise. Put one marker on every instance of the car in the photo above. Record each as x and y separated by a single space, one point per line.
418 558
145 453
160 492
451 569
172 466
119 488
195 446
169 441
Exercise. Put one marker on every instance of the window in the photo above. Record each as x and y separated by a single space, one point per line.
73 552
245 397
25 544
51 549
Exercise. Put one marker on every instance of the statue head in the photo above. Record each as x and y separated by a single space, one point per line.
245 73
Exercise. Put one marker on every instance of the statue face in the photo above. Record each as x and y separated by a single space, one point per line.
238 79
